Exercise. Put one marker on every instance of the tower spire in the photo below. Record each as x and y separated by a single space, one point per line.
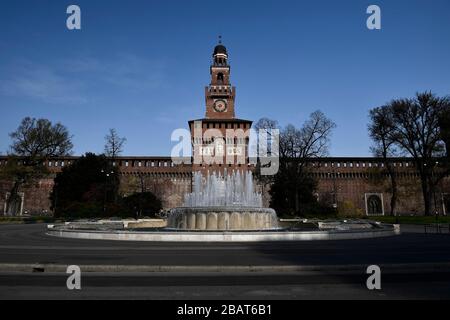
220 39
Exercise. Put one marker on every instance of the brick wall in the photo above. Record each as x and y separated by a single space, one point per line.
349 178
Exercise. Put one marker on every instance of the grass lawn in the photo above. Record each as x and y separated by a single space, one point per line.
34 219
411 219
385 219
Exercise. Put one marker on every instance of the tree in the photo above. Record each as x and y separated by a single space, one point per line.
142 204
444 126
416 130
381 130
86 183
33 143
297 148
114 144
113 148
267 126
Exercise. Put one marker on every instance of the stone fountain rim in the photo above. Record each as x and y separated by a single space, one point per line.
223 236
216 209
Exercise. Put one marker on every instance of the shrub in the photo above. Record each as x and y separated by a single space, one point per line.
142 204
348 209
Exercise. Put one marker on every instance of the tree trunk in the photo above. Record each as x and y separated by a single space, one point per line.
13 193
394 192
141 177
394 205
426 195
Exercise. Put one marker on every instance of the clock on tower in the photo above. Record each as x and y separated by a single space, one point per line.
220 105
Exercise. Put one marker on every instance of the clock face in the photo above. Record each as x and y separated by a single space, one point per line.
220 105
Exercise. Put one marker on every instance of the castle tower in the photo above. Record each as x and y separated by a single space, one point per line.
220 95
220 140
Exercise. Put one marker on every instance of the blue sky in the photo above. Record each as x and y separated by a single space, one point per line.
141 66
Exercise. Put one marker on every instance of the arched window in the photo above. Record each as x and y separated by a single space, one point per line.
15 205
220 78
374 205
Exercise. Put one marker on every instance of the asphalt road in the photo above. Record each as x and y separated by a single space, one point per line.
29 244
223 286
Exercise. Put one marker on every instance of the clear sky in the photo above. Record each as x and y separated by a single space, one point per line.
140 66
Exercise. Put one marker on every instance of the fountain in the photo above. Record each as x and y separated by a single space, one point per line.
223 202
223 209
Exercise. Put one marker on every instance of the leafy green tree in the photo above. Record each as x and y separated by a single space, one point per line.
142 204
285 197
87 183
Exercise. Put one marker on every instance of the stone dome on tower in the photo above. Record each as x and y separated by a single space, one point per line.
220 49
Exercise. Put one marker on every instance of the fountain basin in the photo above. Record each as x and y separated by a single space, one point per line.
222 218
223 236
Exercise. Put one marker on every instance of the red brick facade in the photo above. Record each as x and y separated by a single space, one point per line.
220 140
345 181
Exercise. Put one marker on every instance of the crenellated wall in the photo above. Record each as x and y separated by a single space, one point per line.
348 182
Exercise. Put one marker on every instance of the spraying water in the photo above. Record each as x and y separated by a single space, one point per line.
229 190
222 202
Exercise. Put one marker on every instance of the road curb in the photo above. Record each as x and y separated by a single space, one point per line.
301 269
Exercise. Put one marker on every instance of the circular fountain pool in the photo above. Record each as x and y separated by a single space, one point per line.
344 230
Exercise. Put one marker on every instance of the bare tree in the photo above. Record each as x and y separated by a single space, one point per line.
310 141
267 126
297 147
33 143
113 144
444 126
417 131
381 130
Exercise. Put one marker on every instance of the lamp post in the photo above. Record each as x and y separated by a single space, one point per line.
336 189
436 211
107 175
55 199
333 176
